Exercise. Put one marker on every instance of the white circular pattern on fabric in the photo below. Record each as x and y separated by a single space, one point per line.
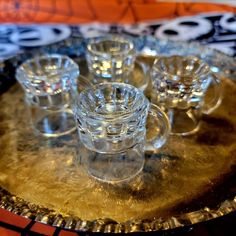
228 21
7 50
40 35
94 30
138 29
184 28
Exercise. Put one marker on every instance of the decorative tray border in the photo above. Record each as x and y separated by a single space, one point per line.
40 214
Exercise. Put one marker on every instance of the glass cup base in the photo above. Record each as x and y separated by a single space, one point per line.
55 124
183 122
185 133
112 168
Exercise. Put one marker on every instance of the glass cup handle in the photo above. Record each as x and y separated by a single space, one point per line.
215 101
159 128
77 85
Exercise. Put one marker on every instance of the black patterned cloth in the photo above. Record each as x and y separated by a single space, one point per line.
216 30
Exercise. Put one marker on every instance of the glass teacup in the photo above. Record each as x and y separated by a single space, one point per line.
179 87
111 121
110 58
47 80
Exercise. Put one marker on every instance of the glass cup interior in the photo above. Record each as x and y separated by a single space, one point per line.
180 67
181 81
110 46
111 100
47 74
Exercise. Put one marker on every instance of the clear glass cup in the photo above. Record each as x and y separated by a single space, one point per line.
46 81
185 88
110 58
111 121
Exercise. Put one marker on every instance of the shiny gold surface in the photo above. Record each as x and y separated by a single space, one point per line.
46 172
189 180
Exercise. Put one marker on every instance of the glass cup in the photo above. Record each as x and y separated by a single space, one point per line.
46 80
110 58
111 121
185 88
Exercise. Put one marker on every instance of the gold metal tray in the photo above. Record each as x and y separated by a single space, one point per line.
189 180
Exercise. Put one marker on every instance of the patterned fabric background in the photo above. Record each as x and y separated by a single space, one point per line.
217 30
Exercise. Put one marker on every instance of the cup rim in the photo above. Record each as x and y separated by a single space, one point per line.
123 115
21 70
155 66
111 37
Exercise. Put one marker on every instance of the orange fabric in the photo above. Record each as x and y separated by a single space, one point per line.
154 11
112 11
196 8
